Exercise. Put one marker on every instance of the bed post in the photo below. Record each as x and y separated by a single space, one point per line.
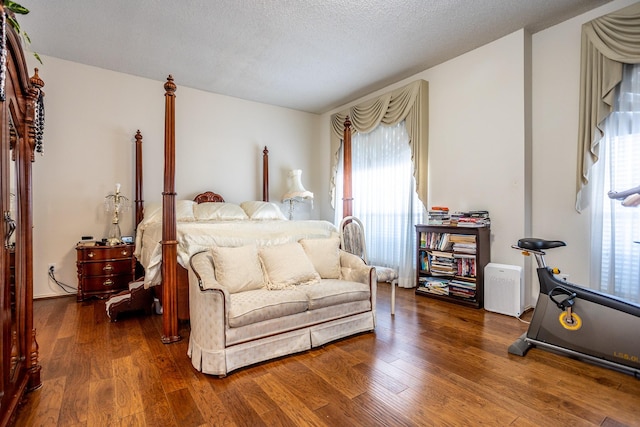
346 186
265 174
139 202
169 242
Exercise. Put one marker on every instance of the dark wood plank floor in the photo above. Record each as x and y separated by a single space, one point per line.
433 363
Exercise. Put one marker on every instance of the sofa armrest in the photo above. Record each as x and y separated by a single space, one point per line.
353 268
208 303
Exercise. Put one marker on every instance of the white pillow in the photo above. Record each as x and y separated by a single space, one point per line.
324 255
238 269
218 210
184 211
262 210
153 212
286 266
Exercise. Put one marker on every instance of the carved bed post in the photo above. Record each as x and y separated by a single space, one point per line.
346 185
169 242
139 201
265 174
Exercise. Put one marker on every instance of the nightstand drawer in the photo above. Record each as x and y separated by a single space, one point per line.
106 283
104 268
99 253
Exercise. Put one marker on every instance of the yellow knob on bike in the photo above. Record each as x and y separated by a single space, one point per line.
573 325
555 270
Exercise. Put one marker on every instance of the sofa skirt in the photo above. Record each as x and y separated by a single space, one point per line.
222 361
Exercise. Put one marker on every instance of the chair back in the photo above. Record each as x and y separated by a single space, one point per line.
352 237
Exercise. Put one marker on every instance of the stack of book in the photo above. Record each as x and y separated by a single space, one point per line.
439 215
462 289
442 264
471 219
434 285
463 243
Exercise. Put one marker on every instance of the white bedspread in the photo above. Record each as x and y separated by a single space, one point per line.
194 237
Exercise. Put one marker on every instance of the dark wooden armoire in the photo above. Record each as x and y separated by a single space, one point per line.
21 137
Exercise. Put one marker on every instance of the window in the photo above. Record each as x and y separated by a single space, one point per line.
615 228
384 197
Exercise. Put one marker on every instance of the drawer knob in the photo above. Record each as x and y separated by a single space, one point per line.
125 253
107 267
90 254
108 282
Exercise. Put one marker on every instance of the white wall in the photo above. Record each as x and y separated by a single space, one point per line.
476 137
91 118
495 114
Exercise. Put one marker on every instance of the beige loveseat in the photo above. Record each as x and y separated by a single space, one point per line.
250 304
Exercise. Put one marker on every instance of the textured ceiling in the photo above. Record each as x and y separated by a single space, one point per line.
309 55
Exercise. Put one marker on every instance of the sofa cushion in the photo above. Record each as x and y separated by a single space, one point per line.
260 305
287 265
238 269
330 292
324 255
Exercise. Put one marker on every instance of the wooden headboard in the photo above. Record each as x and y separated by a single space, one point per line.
208 196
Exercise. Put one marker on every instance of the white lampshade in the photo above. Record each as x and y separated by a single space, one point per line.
296 190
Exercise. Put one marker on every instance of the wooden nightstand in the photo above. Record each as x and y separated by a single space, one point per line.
104 270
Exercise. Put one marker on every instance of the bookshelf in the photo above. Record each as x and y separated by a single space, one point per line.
451 261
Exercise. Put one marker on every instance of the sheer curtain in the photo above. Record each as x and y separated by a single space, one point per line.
607 44
615 228
384 198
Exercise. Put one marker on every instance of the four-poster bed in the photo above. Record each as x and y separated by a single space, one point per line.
174 275
165 263
259 286
347 198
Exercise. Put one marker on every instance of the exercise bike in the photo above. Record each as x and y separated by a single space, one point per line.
579 322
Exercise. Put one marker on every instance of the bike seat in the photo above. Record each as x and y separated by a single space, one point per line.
534 243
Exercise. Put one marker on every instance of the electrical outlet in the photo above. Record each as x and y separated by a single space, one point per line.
51 268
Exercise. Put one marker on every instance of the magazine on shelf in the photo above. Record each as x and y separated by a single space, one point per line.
434 285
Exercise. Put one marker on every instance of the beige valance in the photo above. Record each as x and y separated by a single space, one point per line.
409 103
608 42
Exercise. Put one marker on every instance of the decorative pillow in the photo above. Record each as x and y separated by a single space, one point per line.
238 268
286 266
262 210
184 211
324 255
219 211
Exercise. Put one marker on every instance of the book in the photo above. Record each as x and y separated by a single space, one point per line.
442 254
462 238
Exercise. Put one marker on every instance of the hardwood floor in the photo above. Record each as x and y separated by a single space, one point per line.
433 363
